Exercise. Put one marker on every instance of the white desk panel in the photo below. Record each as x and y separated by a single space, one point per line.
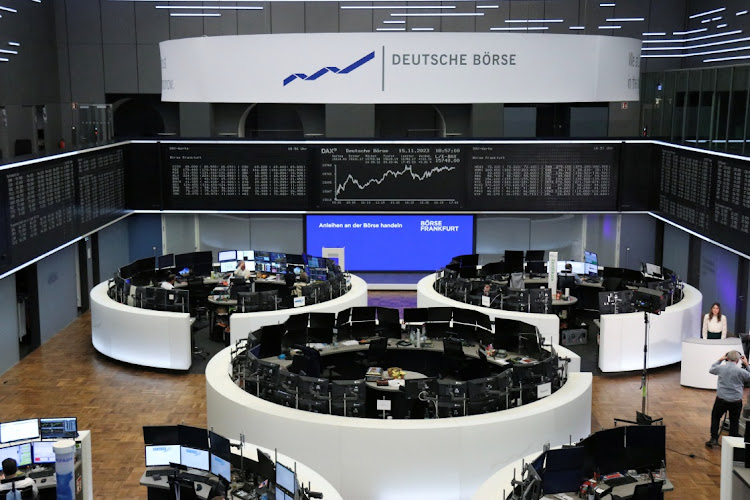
622 335
139 336
241 324
548 324
698 355
396 459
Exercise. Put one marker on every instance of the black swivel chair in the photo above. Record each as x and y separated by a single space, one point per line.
376 352
454 358
269 300
198 297
248 302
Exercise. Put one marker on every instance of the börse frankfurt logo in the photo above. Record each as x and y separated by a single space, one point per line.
332 69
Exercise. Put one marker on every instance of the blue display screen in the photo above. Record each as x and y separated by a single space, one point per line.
392 242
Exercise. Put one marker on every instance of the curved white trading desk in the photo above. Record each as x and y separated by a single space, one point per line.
622 335
139 336
395 459
698 355
240 324
548 324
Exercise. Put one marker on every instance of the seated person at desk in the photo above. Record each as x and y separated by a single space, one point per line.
304 280
569 272
168 284
242 271
714 324
10 469
486 290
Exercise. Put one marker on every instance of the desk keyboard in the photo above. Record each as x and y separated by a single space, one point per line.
196 478
158 472
41 473
619 481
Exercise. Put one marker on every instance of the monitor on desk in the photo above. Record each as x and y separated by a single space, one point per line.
165 261
591 263
605 452
534 255
564 471
652 269
347 389
415 315
513 261
43 453
645 446
156 455
246 255
221 467
266 467
286 479
451 389
227 255
161 434
228 266
19 430
218 445
536 267
58 428
193 437
194 458
21 453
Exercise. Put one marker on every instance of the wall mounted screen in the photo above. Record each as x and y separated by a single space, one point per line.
392 242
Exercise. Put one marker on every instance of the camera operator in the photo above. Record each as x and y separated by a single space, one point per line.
729 393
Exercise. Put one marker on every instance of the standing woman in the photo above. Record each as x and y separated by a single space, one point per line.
714 324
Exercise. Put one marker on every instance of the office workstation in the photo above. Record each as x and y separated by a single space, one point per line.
615 463
191 462
33 444
132 311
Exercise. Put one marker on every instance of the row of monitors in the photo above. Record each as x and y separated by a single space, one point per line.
608 451
514 262
197 448
35 452
38 428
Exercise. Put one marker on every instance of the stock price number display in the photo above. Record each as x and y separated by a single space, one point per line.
685 187
398 177
246 177
730 222
558 177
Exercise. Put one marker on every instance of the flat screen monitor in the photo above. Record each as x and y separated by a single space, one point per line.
228 266
19 430
534 255
160 434
577 267
281 495
221 467
194 458
248 255
605 451
415 315
266 467
316 262
163 454
285 478
348 389
295 259
513 261
21 453
193 437
218 445
536 267
58 428
653 269
591 263
645 446
43 453
226 255
564 470
451 388
165 261
262 257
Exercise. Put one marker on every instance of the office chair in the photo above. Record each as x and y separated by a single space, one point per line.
269 300
248 301
516 281
198 297
454 358
375 354
647 491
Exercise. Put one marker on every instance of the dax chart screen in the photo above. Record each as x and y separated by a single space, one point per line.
392 176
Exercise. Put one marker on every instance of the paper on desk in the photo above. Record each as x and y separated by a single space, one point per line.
396 382
349 342
318 346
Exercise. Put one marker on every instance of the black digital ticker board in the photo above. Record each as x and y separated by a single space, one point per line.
235 177
686 189
100 187
730 213
391 177
543 176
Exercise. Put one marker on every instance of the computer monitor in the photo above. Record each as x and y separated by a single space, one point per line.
42 452
286 479
313 387
564 470
652 269
316 262
165 261
266 467
645 446
314 405
218 445
281 495
262 257
163 454
605 452
228 266
19 430
203 262
246 255
21 453
221 467
268 372
227 255
513 261
160 434
349 389
451 389
531 345
58 428
414 387
534 256
591 263
536 267
193 437
415 315
479 388
194 458
616 302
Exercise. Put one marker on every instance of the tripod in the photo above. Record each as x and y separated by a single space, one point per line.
641 418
